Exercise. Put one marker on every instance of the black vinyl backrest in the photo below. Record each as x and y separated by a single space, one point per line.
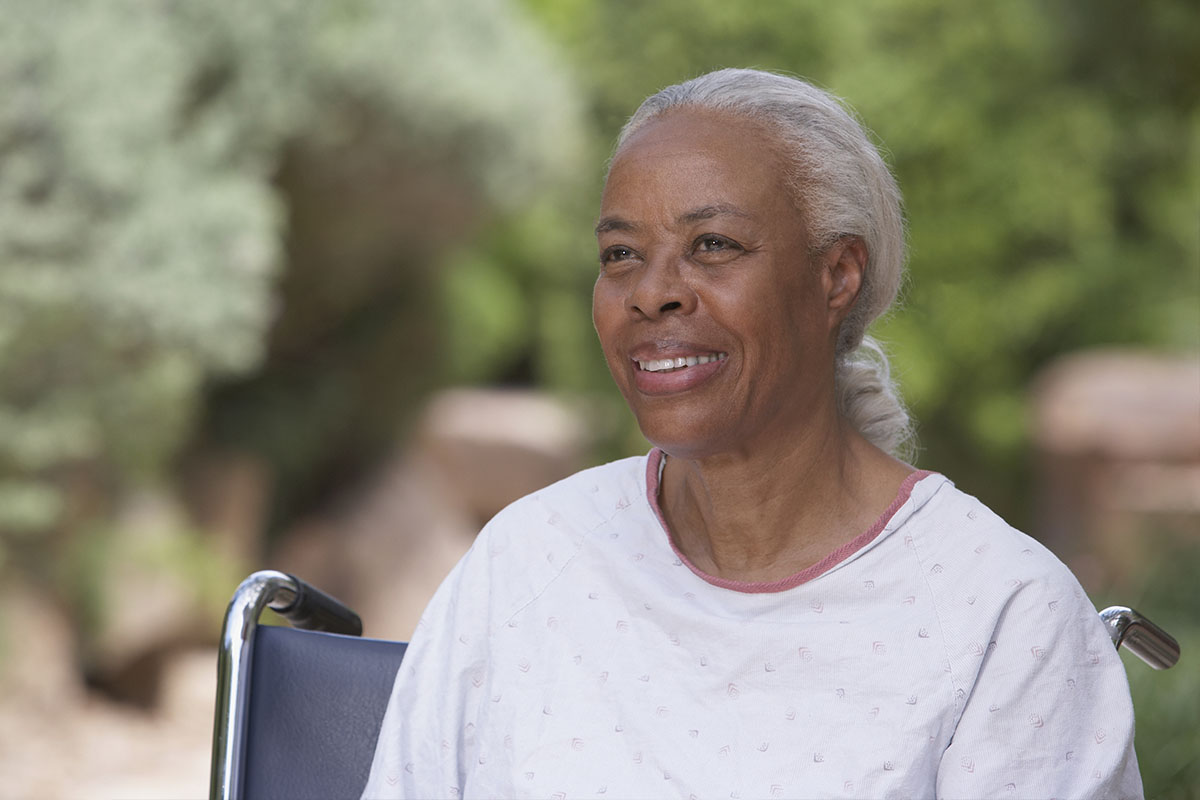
313 716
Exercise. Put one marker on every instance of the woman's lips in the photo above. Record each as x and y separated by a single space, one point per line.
670 374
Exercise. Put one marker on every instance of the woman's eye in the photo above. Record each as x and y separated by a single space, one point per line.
714 244
615 253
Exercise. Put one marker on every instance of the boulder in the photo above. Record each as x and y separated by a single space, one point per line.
1117 444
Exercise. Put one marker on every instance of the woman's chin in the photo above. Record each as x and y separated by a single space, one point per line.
685 438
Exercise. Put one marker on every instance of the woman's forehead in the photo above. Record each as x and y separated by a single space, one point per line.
691 159
689 131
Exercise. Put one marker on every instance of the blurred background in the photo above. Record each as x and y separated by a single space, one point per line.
307 286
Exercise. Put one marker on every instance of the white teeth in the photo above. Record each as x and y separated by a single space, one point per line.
663 364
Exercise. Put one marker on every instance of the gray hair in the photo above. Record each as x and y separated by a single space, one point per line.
842 187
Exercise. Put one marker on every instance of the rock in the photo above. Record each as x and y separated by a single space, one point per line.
387 548
1121 405
153 594
1117 443
37 649
228 495
493 446
189 689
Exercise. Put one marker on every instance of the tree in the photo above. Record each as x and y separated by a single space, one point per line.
158 159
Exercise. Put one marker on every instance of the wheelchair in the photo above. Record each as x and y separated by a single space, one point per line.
298 709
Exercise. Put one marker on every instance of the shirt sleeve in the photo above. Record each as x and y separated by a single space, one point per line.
428 727
1049 713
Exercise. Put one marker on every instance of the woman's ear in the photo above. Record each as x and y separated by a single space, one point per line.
843 267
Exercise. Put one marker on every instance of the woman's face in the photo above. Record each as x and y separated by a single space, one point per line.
716 323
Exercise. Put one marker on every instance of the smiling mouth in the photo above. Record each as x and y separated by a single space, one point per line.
674 364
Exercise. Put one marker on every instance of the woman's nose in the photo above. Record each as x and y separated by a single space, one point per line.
661 289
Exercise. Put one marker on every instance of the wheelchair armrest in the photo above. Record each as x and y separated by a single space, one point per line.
1127 628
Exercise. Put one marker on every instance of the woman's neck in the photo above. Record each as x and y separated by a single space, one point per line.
765 514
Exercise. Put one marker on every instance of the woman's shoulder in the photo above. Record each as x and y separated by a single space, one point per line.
528 544
578 503
978 569
1024 651
956 532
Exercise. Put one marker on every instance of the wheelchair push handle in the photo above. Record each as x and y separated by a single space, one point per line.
304 607
309 608
1129 629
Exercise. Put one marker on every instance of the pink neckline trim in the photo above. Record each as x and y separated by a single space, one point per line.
653 466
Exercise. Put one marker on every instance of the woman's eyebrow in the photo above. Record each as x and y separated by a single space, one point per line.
607 224
708 212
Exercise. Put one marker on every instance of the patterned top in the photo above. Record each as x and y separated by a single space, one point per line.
574 653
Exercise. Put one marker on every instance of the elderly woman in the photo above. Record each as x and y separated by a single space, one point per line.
769 603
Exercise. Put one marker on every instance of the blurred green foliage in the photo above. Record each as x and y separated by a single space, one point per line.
125 243
162 210
1167 704
144 229
191 198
